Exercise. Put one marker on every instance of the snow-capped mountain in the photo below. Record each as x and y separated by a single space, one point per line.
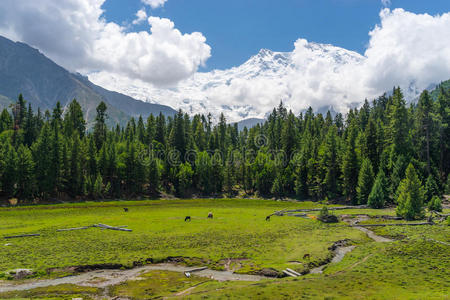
316 75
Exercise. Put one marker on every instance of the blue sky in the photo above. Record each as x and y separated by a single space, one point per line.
238 29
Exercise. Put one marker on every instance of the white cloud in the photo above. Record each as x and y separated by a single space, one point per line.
154 3
406 49
75 35
141 16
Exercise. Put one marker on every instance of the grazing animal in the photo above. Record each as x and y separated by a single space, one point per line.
307 256
210 215
125 209
268 218
188 218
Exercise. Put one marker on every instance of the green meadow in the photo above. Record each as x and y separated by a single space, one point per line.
413 266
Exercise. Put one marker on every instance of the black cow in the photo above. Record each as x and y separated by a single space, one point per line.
125 209
210 215
188 218
268 218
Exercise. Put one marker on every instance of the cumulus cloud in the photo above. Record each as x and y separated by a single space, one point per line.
141 16
154 3
75 35
405 49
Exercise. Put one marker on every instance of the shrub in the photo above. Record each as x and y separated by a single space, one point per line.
435 204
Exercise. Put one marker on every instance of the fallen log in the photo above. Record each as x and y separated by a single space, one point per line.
70 229
22 235
296 215
293 272
111 227
319 209
441 215
289 273
392 224
278 213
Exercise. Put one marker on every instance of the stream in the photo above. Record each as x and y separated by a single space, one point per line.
104 278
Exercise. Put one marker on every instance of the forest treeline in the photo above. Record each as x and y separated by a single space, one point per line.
382 153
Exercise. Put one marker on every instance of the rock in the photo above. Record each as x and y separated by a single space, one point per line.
269 272
329 219
21 273
339 244
107 266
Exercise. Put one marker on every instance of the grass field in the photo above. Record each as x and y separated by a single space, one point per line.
411 267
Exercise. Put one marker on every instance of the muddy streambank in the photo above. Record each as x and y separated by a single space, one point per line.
354 220
102 276
106 277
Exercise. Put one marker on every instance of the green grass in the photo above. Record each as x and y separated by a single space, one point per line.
411 267
407 269
63 291
156 284
238 230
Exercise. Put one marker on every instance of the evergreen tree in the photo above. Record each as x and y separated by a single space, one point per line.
379 194
153 176
203 171
328 154
229 176
277 187
160 129
76 176
184 176
350 166
6 122
447 186
140 130
371 143
410 196
150 130
29 127
74 120
435 204
264 170
288 136
42 157
9 176
398 125
100 125
431 189
365 181
424 127
25 178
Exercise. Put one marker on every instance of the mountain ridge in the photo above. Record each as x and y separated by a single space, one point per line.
42 82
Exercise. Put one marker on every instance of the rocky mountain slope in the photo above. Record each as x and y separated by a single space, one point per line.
42 82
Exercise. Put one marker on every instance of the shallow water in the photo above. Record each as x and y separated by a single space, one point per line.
104 278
